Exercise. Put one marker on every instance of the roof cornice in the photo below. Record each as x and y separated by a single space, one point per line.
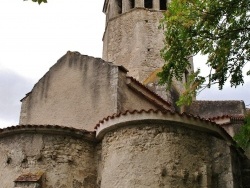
48 129
161 117
227 119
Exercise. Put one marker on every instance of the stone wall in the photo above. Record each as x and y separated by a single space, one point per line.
245 171
65 159
226 170
166 155
133 40
138 150
209 109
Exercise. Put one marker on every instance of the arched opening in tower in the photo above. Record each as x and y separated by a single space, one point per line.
132 3
163 4
119 6
148 3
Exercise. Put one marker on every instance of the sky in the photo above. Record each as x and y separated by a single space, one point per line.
33 37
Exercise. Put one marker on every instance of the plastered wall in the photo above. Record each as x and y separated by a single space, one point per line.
130 99
78 91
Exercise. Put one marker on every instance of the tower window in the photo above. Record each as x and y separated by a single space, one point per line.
148 4
132 3
163 4
119 6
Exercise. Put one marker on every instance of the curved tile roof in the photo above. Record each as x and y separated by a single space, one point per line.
127 112
48 129
232 117
110 122
228 119
187 120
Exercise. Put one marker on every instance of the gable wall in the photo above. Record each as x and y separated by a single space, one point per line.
78 91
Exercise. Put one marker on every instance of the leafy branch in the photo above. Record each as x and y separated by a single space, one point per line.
243 136
38 1
215 28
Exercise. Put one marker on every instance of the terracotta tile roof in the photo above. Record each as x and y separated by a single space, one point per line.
193 121
228 119
164 102
127 112
231 117
206 124
29 177
48 129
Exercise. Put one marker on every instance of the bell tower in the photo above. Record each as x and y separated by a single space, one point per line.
132 37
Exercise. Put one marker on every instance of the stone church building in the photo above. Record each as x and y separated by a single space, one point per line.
91 122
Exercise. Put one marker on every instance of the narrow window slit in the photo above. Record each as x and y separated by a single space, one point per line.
148 4
119 6
163 4
132 3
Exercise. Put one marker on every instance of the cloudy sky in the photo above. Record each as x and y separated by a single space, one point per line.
33 38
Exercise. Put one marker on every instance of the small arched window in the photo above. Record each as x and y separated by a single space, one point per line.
148 3
119 6
132 3
163 4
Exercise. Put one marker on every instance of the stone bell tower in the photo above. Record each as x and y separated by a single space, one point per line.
132 39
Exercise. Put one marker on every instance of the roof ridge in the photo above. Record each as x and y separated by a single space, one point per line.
46 126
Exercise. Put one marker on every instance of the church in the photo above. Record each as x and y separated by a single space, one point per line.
107 123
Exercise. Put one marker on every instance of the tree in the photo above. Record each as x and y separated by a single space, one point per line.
243 136
219 29
39 1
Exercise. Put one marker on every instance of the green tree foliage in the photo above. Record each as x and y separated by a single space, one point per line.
39 1
217 28
243 137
